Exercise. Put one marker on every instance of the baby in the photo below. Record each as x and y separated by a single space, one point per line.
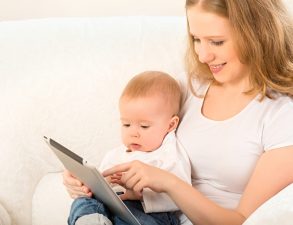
149 107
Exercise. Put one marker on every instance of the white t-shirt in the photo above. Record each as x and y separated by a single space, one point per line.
223 154
169 156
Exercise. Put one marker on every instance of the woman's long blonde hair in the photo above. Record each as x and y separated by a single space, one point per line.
263 32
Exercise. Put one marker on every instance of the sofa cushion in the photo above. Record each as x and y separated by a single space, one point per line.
276 211
4 217
50 203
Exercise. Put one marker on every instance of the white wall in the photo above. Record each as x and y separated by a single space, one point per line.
23 9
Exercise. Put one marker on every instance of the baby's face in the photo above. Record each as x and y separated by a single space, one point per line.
145 121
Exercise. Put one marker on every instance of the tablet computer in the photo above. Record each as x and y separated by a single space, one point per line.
93 179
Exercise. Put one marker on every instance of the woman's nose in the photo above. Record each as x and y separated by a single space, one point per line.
205 55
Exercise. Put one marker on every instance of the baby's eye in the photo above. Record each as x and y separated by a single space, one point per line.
126 125
144 126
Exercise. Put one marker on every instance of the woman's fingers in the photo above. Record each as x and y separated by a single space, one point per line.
137 175
130 179
127 174
119 169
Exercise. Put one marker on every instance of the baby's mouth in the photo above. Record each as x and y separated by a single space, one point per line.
135 147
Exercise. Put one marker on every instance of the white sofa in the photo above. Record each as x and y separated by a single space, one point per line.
62 78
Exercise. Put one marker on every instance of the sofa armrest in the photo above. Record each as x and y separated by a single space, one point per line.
277 210
51 203
4 216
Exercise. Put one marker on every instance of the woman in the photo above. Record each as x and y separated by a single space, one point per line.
237 114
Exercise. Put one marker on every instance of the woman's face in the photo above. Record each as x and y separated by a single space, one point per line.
215 46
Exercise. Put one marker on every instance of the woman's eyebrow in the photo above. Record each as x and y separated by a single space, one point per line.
209 36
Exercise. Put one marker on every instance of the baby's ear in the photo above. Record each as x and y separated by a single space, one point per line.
173 123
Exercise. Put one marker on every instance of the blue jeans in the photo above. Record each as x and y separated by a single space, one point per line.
85 206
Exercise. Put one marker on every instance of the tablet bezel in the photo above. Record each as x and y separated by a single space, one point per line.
93 179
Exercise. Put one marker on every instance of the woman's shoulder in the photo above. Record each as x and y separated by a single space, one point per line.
277 119
277 103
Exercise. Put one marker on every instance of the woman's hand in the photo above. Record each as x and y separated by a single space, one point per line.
75 187
127 194
131 195
137 175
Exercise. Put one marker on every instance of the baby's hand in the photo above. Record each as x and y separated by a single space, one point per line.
115 179
75 187
131 195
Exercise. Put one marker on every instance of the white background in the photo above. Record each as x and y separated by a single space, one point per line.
25 9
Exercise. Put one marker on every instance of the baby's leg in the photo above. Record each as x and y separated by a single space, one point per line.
88 211
164 218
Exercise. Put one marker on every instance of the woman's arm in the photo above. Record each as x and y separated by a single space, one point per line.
274 171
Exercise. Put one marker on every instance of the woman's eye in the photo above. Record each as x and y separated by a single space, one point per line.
217 43
126 125
196 40
144 127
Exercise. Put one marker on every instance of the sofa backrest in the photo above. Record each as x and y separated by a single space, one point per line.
62 78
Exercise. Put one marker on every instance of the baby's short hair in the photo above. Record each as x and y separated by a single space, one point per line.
152 83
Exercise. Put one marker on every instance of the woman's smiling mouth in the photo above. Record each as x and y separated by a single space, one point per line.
217 68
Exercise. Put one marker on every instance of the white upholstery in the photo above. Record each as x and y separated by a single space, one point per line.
62 78
4 216
49 190
277 211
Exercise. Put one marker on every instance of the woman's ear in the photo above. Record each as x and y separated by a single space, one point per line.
173 123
